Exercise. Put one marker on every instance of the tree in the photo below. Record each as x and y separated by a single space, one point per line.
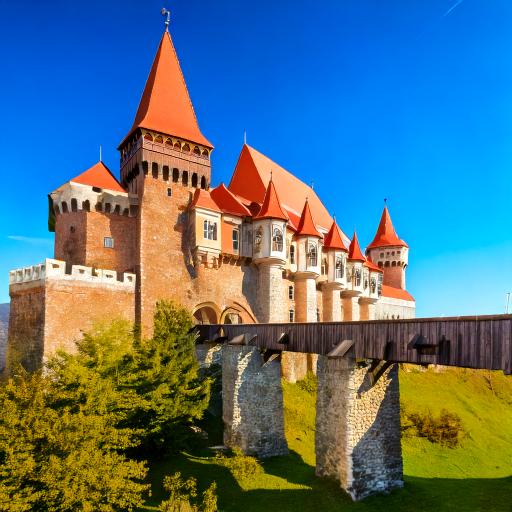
62 459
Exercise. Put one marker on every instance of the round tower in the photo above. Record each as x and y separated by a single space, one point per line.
389 252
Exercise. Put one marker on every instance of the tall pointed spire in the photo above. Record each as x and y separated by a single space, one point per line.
165 105
386 235
354 250
307 225
271 207
334 238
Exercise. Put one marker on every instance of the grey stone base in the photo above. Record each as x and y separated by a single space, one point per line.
358 428
252 402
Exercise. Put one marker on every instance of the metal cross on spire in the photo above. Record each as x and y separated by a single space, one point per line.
165 12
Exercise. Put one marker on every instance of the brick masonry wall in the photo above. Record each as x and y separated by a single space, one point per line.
358 427
252 399
71 237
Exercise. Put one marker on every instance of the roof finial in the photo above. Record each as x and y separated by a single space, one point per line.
245 137
270 174
385 201
312 185
165 12
100 153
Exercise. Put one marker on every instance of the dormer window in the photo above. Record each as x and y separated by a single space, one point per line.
312 255
277 240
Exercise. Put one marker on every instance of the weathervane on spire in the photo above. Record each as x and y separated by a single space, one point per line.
165 12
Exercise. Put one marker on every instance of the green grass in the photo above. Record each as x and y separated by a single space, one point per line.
472 477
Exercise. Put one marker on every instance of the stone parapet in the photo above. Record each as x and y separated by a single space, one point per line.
358 427
252 402
52 269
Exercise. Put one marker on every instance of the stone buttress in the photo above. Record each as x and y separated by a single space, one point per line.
252 399
358 427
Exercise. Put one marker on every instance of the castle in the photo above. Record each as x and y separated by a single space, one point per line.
262 249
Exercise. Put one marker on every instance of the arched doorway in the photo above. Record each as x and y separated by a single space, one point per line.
206 314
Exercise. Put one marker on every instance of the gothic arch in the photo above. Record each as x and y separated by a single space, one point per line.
236 308
207 313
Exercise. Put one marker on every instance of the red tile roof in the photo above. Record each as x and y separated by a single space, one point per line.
396 293
374 268
228 202
386 235
334 238
252 173
271 207
354 250
306 225
99 176
202 199
165 105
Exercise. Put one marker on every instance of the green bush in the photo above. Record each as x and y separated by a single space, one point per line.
183 496
241 466
446 429
308 383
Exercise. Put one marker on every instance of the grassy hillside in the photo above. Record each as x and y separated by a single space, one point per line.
471 477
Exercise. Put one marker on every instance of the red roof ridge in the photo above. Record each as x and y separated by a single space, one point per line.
165 105
386 235
396 293
307 225
354 250
271 207
228 202
203 199
99 175
334 239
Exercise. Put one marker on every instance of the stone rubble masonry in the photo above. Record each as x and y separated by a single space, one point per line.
270 293
358 427
209 354
252 401
50 309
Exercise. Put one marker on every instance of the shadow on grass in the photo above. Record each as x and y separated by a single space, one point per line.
419 494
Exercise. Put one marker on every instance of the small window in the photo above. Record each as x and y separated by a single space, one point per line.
292 254
169 192
277 240
339 268
96 189
210 230
291 315
235 239
317 315
108 242
290 292
312 255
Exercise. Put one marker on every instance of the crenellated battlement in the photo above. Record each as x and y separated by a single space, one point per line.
52 269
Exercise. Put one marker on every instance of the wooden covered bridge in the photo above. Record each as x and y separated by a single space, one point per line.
358 401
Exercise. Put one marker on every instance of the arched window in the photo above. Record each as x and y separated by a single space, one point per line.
165 172
184 178
291 315
74 205
203 183
177 146
148 137
194 180
168 142
339 267
64 207
205 153
312 255
292 254
186 148
86 205
197 151
277 239
175 175
159 139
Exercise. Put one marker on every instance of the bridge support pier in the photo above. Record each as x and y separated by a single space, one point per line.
358 427
252 402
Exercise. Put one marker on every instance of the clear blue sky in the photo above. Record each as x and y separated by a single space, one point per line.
406 100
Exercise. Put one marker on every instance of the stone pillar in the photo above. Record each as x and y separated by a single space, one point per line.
350 308
252 402
358 427
270 293
331 302
305 299
367 308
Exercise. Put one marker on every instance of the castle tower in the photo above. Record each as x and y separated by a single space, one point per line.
336 275
269 253
308 267
164 159
355 285
389 252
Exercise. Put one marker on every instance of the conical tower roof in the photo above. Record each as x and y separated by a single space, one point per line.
334 238
271 207
99 176
165 105
386 235
307 225
354 250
